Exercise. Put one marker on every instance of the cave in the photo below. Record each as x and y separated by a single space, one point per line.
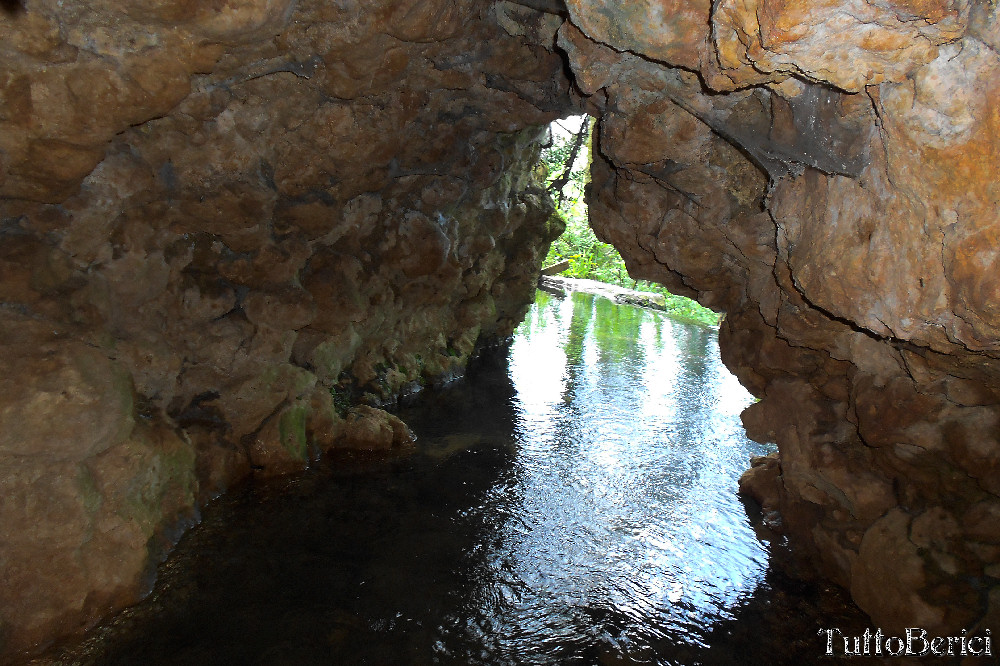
233 234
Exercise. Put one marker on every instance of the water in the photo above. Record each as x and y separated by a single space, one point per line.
574 503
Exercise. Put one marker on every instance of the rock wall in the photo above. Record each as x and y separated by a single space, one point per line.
826 173
229 233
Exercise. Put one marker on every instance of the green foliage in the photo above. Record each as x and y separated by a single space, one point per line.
588 257
342 399
681 307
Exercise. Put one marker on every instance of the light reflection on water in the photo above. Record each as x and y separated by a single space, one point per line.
629 447
574 504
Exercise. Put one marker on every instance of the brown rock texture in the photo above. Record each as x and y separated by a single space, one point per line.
825 173
231 232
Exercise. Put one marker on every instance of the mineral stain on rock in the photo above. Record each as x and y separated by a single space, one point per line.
217 222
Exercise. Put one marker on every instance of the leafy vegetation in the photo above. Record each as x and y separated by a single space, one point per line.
568 172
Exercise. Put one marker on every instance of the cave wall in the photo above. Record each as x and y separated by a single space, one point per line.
826 174
231 232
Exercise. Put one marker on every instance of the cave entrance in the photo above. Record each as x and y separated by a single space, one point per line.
578 253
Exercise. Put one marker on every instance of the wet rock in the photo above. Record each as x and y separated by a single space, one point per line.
372 429
821 179
889 573
214 217
761 481
81 536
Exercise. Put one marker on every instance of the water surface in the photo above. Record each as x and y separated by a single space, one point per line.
573 502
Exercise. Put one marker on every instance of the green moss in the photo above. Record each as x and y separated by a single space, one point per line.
114 384
303 381
555 225
92 498
292 430
179 468
163 480
434 367
297 380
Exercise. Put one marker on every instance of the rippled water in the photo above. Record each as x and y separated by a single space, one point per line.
574 503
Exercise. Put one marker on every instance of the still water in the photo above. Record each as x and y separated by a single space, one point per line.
573 502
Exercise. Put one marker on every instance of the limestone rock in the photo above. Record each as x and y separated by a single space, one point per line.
675 32
372 429
848 44
216 218
211 218
889 574
762 483
65 400
848 231
80 536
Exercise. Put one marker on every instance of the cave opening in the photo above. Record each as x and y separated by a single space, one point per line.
577 253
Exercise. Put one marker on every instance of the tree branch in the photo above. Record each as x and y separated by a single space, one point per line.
561 182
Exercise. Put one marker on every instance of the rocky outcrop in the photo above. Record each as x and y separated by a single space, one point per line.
825 174
231 232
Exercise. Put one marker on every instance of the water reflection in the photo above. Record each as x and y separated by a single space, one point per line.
628 478
573 503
